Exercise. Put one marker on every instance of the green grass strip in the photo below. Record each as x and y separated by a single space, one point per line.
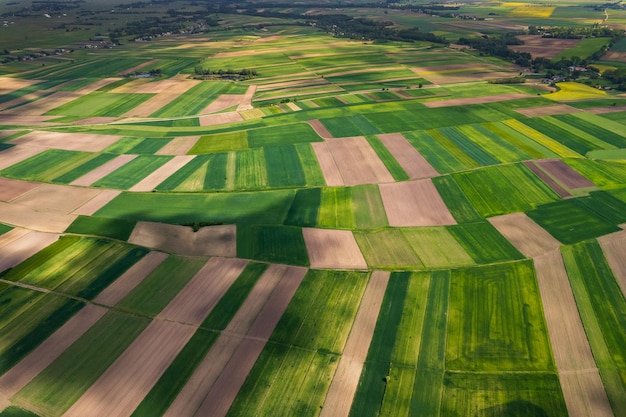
484 243
457 202
390 162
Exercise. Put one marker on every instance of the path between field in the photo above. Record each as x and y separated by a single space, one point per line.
40 358
414 203
344 384
614 248
583 390
103 170
122 387
150 182
246 101
217 240
526 235
411 161
15 154
21 246
333 249
216 381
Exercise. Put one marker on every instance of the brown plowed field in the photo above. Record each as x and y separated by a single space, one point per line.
138 67
17 215
547 110
103 170
39 359
408 157
327 164
10 189
165 90
55 198
564 174
572 353
414 203
475 100
603 110
12 235
220 118
150 182
614 247
24 247
333 249
223 102
96 203
87 142
17 154
320 129
18 120
178 146
526 235
550 182
197 299
358 162
343 387
217 240
543 47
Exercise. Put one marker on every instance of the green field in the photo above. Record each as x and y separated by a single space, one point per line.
132 172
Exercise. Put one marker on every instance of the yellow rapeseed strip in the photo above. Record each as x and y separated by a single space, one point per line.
533 11
556 147
571 91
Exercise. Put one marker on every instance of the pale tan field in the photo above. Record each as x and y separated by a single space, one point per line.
548 110
10 84
22 216
150 182
223 102
133 276
320 129
413 163
194 302
220 118
333 249
103 170
358 162
12 235
138 67
10 189
17 154
24 247
120 389
327 164
276 287
293 106
165 90
246 102
614 248
475 100
346 379
526 235
217 240
615 56
572 353
96 203
52 198
414 203
87 142
178 146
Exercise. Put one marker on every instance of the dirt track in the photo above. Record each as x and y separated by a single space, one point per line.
526 235
343 387
414 203
333 249
413 163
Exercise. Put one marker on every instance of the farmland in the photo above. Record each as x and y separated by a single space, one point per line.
340 209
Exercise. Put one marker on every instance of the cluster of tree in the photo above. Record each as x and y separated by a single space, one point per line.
616 76
226 74
154 26
575 32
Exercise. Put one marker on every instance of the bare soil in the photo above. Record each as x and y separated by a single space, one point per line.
526 235
592 402
550 182
96 203
543 47
413 163
87 142
333 249
564 174
614 247
15 154
327 164
24 247
414 203
548 110
358 162
246 102
10 189
150 182
44 221
223 102
217 240
220 118
103 170
178 146
603 110
138 67
320 129
55 198
343 387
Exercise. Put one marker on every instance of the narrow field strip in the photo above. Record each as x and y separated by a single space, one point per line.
257 317
333 249
343 387
87 142
24 247
39 359
178 146
16 154
217 240
22 216
614 248
572 353
327 164
526 235
150 182
96 203
358 162
246 101
320 129
45 104
10 189
223 102
220 118
552 110
564 174
103 170
414 203
550 182
12 235
413 163
475 100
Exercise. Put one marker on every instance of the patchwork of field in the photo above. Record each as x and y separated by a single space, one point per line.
359 229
